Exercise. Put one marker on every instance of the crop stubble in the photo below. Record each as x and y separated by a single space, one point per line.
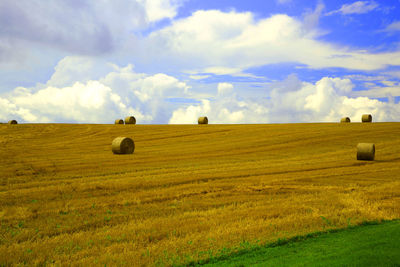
187 191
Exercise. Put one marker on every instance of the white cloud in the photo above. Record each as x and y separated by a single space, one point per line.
122 91
379 91
198 77
311 19
190 114
90 102
395 74
224 88
359 7
393 27
78 68
221 70
227 43
325 101
160 9
119 93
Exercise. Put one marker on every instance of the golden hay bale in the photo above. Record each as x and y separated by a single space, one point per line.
123 145
119 121
130 120
12 122
366 118
203 120
365 151
345 119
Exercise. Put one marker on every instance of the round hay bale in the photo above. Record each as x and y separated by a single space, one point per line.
119 121
366 118
365 151
345 119
203 120
130 120
12 122
123 145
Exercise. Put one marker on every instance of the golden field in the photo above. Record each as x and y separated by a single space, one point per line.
188 191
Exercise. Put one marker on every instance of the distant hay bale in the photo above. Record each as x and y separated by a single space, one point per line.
123 145
366 118
345 119
203 120
130 120
365 151
12 122
119 121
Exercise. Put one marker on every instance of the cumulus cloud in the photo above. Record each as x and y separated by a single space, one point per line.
120 92
359 7
78 68
89 102
123 91
325 101
76 93
219 42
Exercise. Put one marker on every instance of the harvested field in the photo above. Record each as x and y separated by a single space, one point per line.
186 192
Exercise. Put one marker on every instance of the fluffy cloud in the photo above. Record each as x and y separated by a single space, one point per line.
230 42
78 68
118 93
75 93
291 101
89 102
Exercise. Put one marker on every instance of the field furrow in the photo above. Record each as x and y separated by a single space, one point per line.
188 191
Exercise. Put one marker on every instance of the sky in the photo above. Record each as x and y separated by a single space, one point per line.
172 61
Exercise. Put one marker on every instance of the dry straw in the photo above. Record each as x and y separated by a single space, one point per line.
366 118
130 120
12 122
119 121
123 145
345 119
365 151
203 120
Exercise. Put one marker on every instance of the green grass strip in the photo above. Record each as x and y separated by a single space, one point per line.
370 244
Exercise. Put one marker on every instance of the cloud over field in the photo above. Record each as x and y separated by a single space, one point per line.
291 100
83 90
73 95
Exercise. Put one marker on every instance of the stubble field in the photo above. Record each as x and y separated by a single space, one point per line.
188 192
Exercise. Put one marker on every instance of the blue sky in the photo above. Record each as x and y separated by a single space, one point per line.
171 61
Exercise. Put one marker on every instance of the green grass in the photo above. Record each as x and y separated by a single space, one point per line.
370 244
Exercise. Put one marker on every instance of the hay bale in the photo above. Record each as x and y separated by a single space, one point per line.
203 120
345 119
123 145
12 122
365 151
130 120
366 118
119 121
